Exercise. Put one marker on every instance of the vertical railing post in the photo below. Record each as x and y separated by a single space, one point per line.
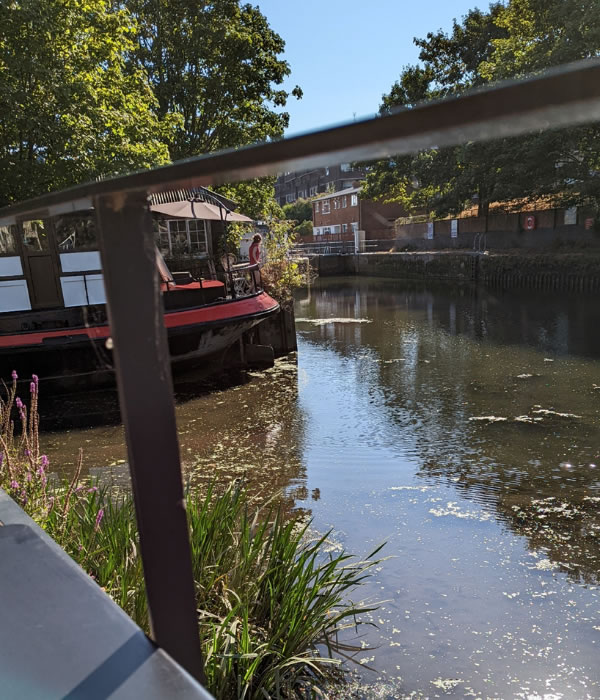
141 357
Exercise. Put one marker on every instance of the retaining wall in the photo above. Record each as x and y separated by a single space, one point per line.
564 272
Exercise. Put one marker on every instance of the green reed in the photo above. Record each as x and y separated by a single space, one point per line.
271 603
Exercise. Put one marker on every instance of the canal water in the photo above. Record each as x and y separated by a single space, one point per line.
459 427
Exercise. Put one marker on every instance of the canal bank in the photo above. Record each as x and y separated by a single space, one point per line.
508 269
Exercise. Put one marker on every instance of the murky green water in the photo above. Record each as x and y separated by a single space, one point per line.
462 429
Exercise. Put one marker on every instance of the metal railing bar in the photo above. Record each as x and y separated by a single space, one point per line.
142 366
567 95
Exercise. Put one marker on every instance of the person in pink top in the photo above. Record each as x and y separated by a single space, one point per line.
254 252
255 257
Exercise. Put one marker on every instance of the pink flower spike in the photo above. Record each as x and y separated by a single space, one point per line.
32 387
15 376
99 519
45 461
14 484
28 476
35 378
19 403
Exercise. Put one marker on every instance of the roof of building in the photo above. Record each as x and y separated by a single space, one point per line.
341 193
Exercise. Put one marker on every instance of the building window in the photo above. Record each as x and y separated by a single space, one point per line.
344 228
336 203
326 229
289 198
354 225
326 207
354 200
314 190
336 229
181 236
316 207
345 167
316 231
8 240
75 232
301 194
344 202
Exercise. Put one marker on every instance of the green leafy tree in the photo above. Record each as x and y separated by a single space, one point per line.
299 211
513 40
215 64
70 107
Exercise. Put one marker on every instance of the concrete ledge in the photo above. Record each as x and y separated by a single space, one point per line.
61 636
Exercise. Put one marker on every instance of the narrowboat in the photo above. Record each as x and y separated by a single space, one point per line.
53 317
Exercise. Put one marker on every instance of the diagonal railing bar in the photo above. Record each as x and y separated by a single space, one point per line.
568 95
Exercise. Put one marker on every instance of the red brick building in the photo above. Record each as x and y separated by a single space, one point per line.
345 212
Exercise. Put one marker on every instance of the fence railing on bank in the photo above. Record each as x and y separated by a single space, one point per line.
341 247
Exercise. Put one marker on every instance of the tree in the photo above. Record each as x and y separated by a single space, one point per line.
216 64
513 40
299 211
70 107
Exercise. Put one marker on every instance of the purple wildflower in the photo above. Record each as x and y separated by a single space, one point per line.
27 453
35 379
99 519
14 484
15 376
23 498
28 476
19 403
45 461
32 387
94 488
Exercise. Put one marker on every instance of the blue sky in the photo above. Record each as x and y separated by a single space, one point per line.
345 54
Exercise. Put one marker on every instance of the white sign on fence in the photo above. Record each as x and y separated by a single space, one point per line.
454 228
571 216
430 231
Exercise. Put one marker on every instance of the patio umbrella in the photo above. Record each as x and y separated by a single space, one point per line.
197 210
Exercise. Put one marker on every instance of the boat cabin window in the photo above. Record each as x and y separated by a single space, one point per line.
8 240
181 237
35 235
75 232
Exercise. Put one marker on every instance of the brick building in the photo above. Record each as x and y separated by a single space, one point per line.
345 212
308 183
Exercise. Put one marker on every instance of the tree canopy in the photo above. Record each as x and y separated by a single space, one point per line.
70 107
216 64
90 88
516 39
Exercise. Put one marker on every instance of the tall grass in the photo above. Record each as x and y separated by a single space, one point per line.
271 604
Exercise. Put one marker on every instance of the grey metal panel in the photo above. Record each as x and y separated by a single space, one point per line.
568 95
61 636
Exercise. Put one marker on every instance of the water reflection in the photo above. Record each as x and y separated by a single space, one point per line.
473 420
492 393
